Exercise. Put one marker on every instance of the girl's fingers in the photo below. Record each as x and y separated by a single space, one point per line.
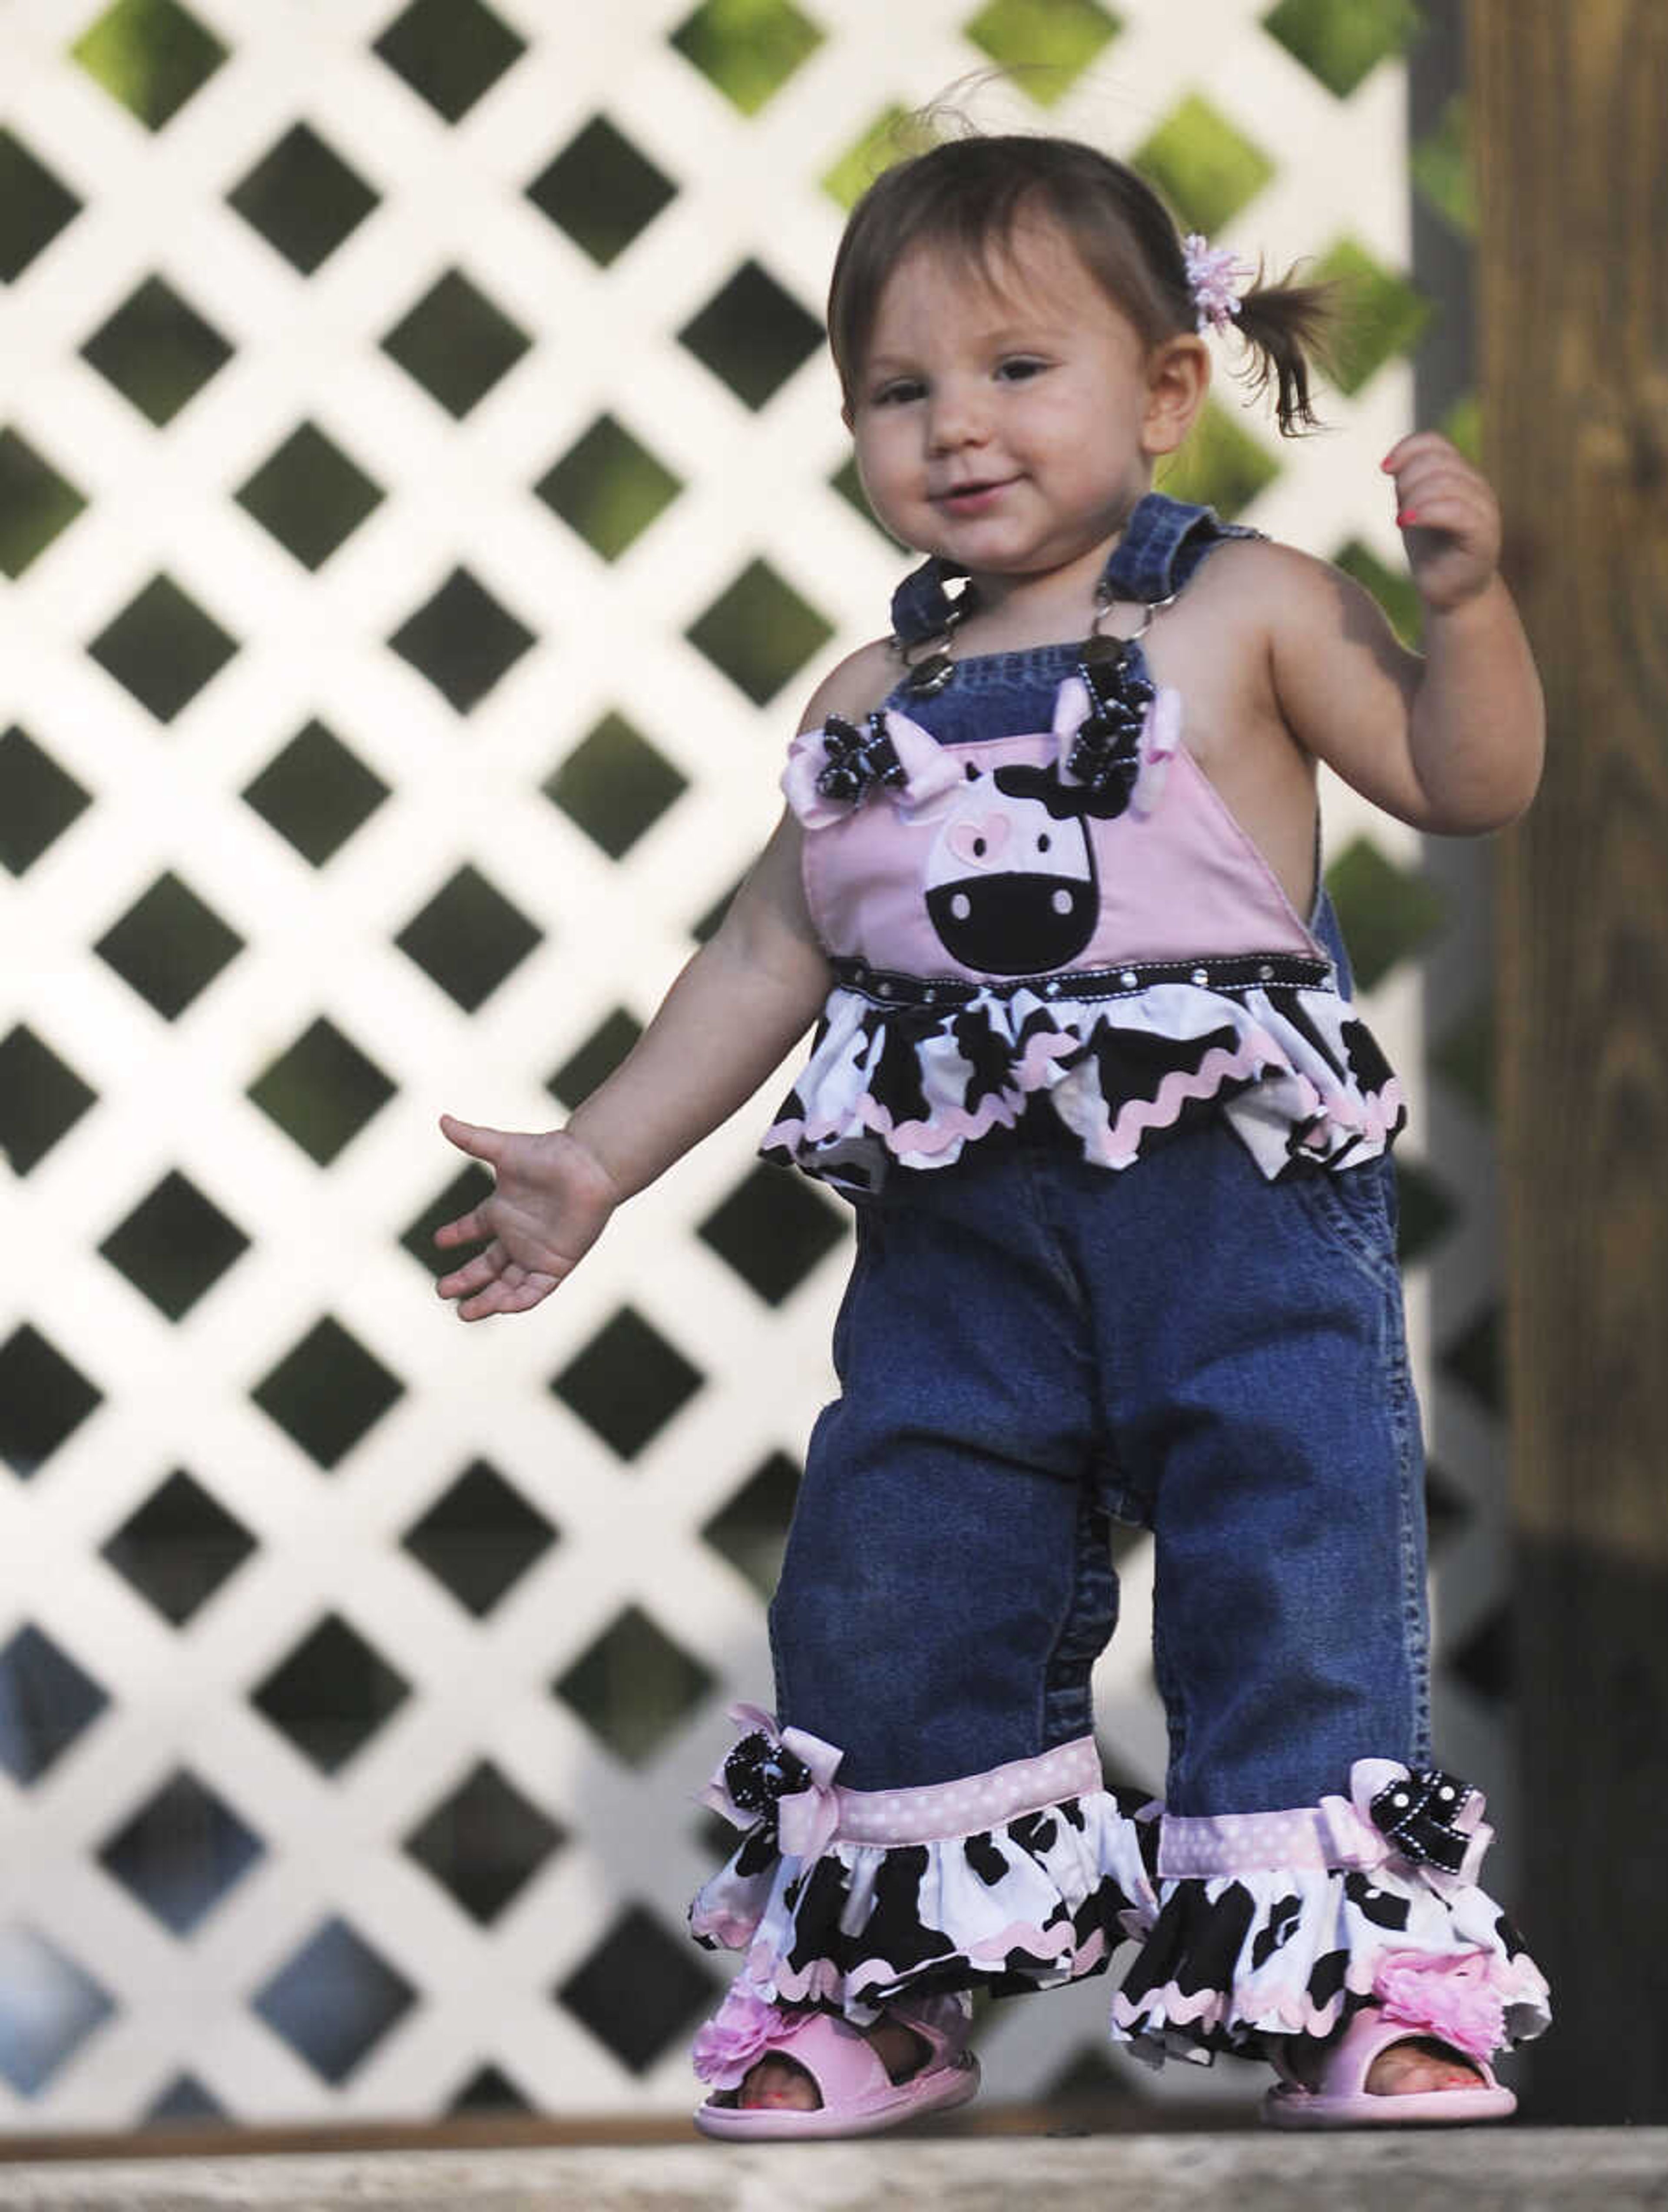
485 1267
480 1143
467 1229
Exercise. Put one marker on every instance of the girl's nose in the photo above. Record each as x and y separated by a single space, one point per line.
956 419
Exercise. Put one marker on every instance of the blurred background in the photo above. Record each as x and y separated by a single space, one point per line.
423 509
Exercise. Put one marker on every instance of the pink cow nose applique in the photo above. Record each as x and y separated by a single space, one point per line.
979 844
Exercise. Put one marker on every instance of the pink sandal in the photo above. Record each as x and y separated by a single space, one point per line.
859 2097
1341 2099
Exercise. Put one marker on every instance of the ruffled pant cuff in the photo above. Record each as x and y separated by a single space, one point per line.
1025 1877
1286 1924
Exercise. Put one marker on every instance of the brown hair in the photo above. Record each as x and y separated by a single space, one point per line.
968 195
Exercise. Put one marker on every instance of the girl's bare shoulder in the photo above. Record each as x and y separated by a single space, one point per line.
856 685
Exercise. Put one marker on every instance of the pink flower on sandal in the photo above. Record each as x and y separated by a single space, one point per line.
1450 1999
745 2026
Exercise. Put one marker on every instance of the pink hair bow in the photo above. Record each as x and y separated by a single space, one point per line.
1215 279
781 1776
833 768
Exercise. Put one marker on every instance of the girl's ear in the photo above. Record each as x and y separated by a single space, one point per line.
1178 378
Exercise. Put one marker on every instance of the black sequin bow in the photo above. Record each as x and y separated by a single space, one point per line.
1106 747
758 1773
854 758
1418 1815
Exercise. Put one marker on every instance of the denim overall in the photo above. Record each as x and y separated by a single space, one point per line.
1032 1347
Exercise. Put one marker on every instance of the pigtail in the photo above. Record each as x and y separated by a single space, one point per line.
1288 328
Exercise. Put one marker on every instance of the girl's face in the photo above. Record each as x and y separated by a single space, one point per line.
1010 423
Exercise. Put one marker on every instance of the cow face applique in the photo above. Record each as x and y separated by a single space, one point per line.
1010 881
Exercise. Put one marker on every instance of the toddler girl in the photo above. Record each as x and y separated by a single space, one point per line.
1086 1064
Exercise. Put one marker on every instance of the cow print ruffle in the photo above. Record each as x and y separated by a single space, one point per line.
1293 1070
1043 1898
1232 1959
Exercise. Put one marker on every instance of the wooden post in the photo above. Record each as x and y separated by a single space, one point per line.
1569 105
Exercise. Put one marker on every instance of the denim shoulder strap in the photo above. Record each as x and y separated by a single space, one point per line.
1163 543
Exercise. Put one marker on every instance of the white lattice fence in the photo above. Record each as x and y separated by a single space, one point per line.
418 520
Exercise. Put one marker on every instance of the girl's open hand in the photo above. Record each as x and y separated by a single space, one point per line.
550 1202
1449 518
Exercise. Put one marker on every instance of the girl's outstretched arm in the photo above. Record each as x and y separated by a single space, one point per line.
1451 742
731 1016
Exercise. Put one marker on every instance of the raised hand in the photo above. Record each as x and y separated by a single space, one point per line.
1449 518
550 1202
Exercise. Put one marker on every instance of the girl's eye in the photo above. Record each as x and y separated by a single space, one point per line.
900 391
1020 369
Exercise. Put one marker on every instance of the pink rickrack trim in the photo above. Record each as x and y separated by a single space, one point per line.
972 1802
1338 1832
1453 1999
806 1817
1214 279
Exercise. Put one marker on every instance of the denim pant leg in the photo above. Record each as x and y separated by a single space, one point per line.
1257 1371
947 1584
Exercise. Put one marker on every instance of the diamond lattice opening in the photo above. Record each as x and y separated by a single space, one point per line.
1221 465
455 344
174 1245
1447 1510
303 198
179 1547
310 496
638 1990
334 2001
1341 41
41 1099
327 1392
615 785
1205 167
1466 1056
181 1852
1045 45
609 488
886 140
38 800
633 1687
163 648
1425 1210
49 2006
321 1091
46 1701
169 946
487 2090
747 48
752 334
1384 314
316 794
461 1195
479 1537
43 1400
601 190
626 1383
595 1060
484 1843
1443 169
1486 1662
450 52
751 1530
468 939
157 350
759 632
331 1695
1477 1360
772 1230
185 2102
461 640
151 55
1387 913
36 504
34 206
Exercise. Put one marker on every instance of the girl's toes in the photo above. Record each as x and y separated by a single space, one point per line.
1407 2069
778 2085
